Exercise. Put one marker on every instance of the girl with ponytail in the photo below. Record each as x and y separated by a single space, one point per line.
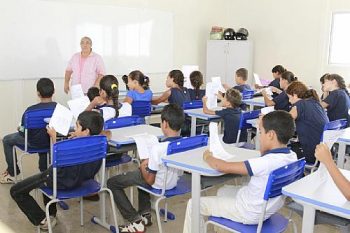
138 85
196 79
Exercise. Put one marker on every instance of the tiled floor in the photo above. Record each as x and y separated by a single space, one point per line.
68 221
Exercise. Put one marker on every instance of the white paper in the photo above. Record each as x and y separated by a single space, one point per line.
217 85
61 119
215 145
125 110
267 110
187 70
211 94
331 136
144 143
257 80
78 105
76 91
322 173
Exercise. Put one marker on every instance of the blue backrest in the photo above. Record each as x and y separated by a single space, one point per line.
185 144
247 94
34 119
192 104
79 151
335 125
247 116
120 122
141 108
282 177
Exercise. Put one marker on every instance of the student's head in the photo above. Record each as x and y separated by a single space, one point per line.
196 79
241 76
137 79
287 78
109 91
172 118
45 88
125 81
86 44
333 82
233 98
298 90
276 128
92 93
175 79
277 71
89 123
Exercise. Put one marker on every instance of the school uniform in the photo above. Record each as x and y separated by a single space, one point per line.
179 96
282 102
244 204
196 94
275 83
137 96
108 111
338 105
243 87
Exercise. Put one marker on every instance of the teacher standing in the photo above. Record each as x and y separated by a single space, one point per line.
85 68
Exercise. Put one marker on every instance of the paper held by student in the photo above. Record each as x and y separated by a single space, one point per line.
257 80
78 105
212 99
61 119
144 143
267 110
331 136
215 145
187 70
76 91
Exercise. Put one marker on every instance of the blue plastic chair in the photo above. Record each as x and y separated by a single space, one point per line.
73 152
247 94
243 125
276 223
33 119
183 186
141 108
192 104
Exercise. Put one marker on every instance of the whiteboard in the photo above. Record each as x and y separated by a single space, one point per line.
38 37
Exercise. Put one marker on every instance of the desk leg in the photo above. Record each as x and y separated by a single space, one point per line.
308 219
196 194
193 125
341 155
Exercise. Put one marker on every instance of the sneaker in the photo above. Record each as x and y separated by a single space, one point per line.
146 219
136 227
44 225
6 178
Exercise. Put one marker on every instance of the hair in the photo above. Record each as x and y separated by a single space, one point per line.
45 87
282 123
340 81
178 77
289 76
86 38
243 73
300 89
110 85
125 81
278 69
140 78
91 120
92 93
234 97
196 78
174 115
323 77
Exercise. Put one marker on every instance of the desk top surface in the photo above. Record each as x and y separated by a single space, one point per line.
257 101
198 112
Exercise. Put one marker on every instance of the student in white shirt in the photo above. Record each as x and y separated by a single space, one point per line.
244 204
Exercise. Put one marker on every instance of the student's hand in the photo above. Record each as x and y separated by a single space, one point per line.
323 154
98 100
72 135
275 89
66 87
257 86
144 164
207 154
51 131
204 99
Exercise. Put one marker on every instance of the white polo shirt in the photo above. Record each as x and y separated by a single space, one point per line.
249 199
108 111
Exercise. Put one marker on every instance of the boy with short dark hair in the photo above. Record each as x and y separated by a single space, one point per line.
37 138
88 123
150 174
92 93
244 204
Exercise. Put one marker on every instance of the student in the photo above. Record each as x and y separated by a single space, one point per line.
231 115
277 72
241 77
310 119
88 123
150 174
177 93
92 93
107 102
37 138
125 81
281 101
138 87
324 93
196 79
244 204
337 102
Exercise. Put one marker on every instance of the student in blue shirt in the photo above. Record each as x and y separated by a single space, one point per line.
337 102
310 119
231 115
324 93
277 72
177 93
281 101
241 77
37 138
138 85
196 79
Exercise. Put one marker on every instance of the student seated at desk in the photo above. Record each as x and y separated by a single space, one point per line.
281 101
277 72
88 123
324 93
37 138
177 93
241 78
243 204
196 79
92 93
150 174
138 85
231 115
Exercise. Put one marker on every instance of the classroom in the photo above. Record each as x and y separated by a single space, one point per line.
253 61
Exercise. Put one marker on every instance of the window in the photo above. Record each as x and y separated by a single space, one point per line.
339 48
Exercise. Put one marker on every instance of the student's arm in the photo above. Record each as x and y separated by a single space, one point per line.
324 104
223 166
98 100
52 133
147 175
276 90
127 99
106 133
267 101
67 76
294 112
324 155
206 110
163 98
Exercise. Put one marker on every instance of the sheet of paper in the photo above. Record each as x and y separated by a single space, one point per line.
61 119
125 110
76 91
144 143
331 136
215 145
211 94
187 70
78 105
257 80
217 85
322 173
267 110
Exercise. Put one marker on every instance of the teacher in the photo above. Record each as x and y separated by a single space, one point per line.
85 68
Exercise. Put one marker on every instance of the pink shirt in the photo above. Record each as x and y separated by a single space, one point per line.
85 70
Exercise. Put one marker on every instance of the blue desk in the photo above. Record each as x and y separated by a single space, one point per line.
198 113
